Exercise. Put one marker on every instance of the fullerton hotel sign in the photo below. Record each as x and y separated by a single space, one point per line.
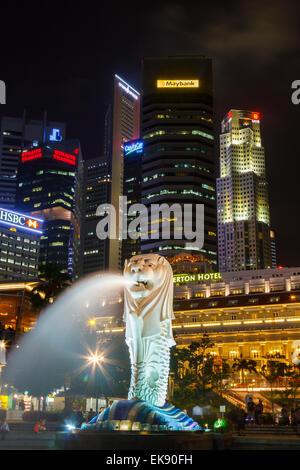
181 278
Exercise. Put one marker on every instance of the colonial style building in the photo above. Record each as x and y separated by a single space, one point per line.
253 314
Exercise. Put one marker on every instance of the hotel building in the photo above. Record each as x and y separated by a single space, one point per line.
244 238
251 314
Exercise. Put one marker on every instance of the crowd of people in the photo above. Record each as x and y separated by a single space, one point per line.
254 415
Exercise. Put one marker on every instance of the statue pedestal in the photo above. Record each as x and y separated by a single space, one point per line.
139 415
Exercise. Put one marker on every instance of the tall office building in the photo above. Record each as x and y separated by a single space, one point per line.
49 187
126 126
132 186
19 245
242 195
178 160
96 190
17 134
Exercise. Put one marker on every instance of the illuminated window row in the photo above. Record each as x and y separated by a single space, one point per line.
178 132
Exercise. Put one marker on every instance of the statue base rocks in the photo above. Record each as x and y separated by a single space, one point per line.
138 415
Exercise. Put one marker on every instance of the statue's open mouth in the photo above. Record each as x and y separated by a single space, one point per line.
141 284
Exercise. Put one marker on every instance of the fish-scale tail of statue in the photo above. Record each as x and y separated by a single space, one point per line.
149 378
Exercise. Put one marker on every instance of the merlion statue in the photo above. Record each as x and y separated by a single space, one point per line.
148 314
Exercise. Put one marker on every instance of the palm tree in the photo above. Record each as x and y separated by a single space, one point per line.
52 281
243 365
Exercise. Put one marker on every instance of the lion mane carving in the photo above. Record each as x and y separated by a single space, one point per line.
148 314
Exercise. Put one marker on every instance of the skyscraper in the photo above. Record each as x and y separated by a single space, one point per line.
49 187
96 190
19 245
242 195
178 160
17 134
126 126
133 152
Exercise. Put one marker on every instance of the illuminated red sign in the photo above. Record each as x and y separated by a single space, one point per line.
64 157
31 155
255 116
32 223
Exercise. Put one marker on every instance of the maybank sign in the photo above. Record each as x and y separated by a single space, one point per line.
180 278
14 219
178 83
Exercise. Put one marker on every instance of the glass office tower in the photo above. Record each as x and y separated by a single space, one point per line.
179 161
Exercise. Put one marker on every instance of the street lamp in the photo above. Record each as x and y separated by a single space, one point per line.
95 360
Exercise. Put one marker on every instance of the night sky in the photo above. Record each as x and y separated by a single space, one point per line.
61 56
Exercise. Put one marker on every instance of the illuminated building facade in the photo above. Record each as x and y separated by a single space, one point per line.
126 127
49 186
15 135
133 152
252 313
96 190
178 163
19 245
17 314
242 196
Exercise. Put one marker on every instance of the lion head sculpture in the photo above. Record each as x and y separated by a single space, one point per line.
146 274
149 292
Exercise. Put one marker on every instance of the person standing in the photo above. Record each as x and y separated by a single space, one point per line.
284 419
251 410
241 420
259 412
4 429
91 414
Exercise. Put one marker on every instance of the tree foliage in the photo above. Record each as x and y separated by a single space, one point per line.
195 373
52 282
244 365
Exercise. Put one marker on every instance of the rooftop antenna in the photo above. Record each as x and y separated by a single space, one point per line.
23 129
44 126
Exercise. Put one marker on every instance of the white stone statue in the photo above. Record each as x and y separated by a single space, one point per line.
148 314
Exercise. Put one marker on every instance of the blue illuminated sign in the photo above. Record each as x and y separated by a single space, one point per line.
135 146
55 136
23 221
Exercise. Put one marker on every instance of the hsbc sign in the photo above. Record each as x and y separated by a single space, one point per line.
23 221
